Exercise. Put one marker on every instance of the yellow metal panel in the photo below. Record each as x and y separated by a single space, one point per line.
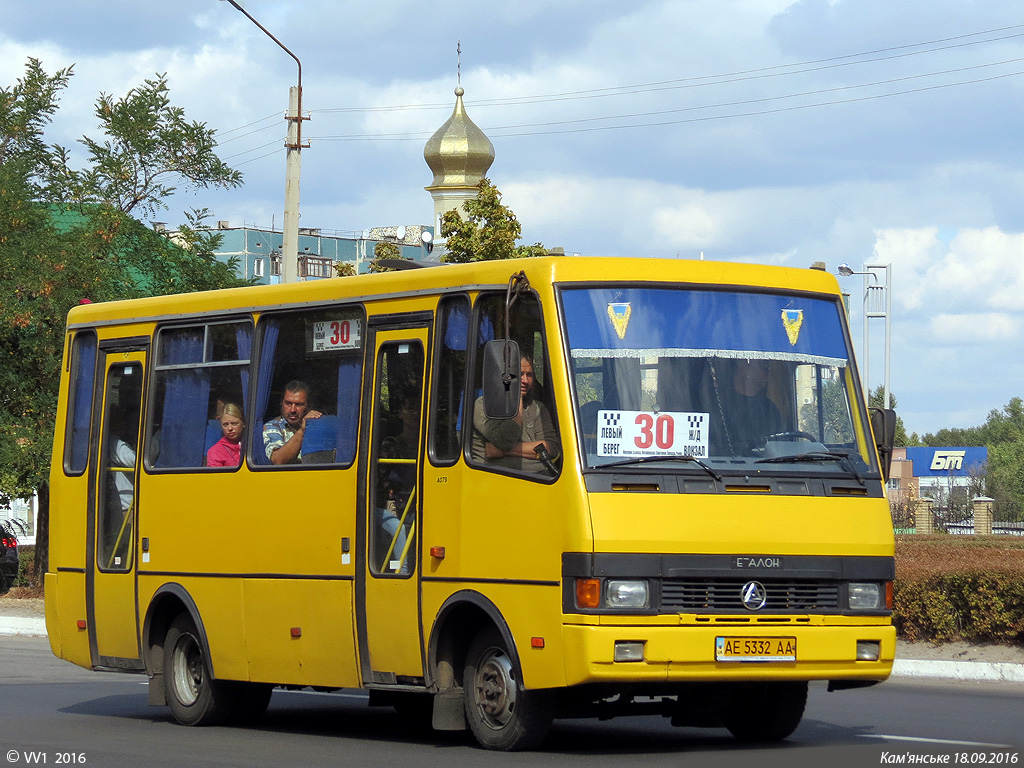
234 523
114 611
69 609
321 611
741 523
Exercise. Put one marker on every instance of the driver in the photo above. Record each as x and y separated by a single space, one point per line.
750 415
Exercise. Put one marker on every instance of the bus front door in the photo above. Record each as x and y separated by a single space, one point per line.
390 637
110 581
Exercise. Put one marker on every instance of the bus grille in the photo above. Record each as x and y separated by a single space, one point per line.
724 595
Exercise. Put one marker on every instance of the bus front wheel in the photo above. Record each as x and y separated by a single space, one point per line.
766 712
194 697
502 714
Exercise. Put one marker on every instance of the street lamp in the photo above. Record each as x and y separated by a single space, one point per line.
877 304
293 166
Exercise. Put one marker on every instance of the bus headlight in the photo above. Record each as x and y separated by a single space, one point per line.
626 594
864 596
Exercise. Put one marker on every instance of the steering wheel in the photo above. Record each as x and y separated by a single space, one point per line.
793 436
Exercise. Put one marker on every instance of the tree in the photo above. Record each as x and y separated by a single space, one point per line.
67 236
1003 435
148 145
384 249
489 231
877 400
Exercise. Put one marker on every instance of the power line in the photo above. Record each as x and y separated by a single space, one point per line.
412 136
254 122
254 159
255 149
773 111
706 80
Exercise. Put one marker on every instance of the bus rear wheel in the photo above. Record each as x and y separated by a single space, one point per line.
766 712
501 713
194 697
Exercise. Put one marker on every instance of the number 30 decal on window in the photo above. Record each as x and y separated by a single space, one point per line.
644 433
336 334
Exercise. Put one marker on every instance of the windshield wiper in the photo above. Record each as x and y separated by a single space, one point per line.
840 456
646 459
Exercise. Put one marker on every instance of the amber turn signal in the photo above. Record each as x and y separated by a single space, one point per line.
588 593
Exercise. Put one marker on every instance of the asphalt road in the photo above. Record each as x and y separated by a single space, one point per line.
53 713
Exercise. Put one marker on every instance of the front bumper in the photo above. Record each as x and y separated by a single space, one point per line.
687 654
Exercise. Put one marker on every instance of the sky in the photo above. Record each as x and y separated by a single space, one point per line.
762 131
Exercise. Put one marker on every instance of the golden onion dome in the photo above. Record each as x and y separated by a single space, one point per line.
458 153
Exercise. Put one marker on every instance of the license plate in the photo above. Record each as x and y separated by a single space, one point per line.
755 649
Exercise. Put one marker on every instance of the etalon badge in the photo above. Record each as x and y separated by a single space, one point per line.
792 319
618 313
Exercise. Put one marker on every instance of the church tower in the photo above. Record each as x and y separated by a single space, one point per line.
459 154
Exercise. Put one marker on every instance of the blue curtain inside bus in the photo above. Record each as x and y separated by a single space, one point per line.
81 408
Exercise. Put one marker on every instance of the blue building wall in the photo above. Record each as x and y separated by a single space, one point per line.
253 248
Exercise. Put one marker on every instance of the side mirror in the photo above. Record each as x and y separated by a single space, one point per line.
883 424
501 379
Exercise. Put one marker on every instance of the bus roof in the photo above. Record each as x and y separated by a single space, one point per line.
450 277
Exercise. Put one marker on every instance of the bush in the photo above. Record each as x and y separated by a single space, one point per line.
26 565
960 588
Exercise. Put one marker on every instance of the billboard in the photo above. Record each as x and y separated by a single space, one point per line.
945 462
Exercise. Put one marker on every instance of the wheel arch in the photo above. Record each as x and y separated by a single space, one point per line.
461 617
169 601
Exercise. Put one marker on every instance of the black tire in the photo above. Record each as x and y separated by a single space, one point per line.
194 697
766 712
501 713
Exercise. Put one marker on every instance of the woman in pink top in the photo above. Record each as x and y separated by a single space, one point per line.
227 452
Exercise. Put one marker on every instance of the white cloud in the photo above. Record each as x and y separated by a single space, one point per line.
975 328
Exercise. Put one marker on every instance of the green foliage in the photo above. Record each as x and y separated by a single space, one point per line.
489 231
384 250
67 236
960 588
976 607
26 567
26 108
1003 434
877 400
148 144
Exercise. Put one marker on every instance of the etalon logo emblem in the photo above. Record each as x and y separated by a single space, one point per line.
753 596
792 319
618 313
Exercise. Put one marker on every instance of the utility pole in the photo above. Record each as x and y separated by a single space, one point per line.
293 169
293 164
877 304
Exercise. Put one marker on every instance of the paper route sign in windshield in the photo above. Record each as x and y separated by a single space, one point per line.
645 433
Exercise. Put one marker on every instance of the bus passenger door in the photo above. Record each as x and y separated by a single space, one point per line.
388 600
113 514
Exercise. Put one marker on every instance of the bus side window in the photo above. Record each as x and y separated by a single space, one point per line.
323 352
447 424
83 374
510 445
199 369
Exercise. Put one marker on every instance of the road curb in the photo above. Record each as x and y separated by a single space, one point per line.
15 625
978 671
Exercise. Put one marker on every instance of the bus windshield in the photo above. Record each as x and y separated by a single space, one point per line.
752 382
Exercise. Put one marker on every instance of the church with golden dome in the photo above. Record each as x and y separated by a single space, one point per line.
459 155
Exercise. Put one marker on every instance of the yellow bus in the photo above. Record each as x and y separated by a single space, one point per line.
492 494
